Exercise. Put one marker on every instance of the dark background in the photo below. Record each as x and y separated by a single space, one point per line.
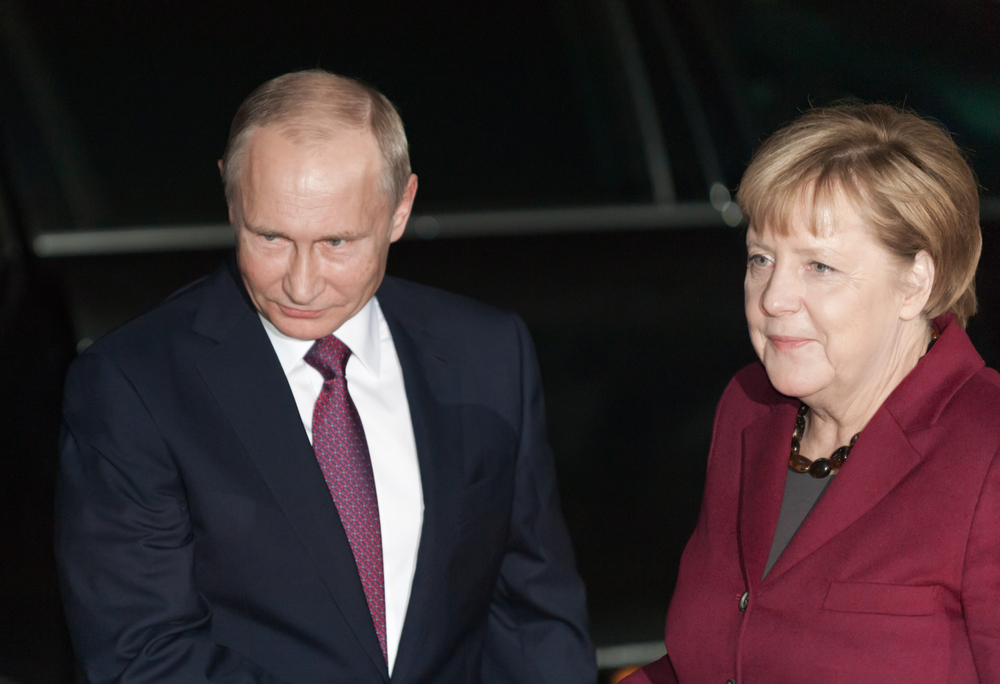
112 115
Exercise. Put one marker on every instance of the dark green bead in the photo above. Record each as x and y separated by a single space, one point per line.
820 468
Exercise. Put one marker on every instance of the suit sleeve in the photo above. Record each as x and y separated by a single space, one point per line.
537 629
124 543
981 579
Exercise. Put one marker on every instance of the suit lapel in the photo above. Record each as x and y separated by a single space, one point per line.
765 459
432 391
247 381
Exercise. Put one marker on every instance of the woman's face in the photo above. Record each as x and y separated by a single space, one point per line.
824 310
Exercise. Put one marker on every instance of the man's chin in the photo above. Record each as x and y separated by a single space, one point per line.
303 328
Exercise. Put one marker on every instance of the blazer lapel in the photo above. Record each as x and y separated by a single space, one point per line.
884 455
433 393
765 460
246 379
879 461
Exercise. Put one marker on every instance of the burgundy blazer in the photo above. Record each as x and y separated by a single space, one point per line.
895 574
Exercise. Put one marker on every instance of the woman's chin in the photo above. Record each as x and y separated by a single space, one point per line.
795 385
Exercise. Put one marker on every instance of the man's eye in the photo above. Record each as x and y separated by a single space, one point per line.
270 238
335 243
821 268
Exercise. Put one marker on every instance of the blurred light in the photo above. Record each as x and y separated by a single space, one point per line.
623 673
719 195
82 345
731 214
427 227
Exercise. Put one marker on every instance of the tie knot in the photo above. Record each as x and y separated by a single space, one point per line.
329 356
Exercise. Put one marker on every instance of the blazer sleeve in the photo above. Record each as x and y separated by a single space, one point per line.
657 672
537 629
124 543
981 579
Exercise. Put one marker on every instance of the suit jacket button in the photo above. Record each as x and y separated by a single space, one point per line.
730 681
744 601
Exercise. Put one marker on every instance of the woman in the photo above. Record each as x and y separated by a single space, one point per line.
850 527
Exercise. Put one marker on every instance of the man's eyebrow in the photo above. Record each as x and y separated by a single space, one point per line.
261 230
342 235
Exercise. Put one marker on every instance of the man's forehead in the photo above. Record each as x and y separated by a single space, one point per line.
273 152
283 173
313 132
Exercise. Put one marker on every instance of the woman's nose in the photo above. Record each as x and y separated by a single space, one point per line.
782 294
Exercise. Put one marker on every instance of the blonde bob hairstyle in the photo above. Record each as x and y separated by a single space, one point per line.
313 106
903 174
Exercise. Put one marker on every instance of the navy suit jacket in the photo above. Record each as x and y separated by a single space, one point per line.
197 540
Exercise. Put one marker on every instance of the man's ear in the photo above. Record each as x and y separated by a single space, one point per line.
918 280
403 209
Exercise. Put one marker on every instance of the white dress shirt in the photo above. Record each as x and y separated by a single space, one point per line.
375 383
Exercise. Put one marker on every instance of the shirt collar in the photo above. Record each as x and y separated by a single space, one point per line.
360 333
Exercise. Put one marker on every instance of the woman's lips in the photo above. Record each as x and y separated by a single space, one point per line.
782 343
300 313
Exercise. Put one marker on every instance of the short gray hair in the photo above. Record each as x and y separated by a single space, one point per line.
313 106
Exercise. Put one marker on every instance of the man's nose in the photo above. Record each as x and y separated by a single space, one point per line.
783 292
303 280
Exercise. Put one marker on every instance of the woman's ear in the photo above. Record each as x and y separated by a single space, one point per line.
918 281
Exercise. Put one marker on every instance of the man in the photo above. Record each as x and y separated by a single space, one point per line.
296 470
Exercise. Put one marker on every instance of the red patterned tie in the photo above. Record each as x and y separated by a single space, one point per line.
342 452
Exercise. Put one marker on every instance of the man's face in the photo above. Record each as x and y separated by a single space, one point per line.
314 232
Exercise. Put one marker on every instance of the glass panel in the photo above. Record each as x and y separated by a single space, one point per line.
506 104
938 58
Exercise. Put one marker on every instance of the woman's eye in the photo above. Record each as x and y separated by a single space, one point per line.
821 268
759 260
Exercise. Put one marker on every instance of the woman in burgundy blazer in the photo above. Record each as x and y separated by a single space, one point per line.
850 527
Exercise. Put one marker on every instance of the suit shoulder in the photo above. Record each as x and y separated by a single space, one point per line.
751 386
748 396
152 330
986 382
978 400
405 298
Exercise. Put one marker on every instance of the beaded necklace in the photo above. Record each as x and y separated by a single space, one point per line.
821 467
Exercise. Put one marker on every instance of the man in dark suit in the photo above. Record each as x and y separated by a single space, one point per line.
296 470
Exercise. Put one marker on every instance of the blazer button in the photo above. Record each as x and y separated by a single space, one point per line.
744 601
730 681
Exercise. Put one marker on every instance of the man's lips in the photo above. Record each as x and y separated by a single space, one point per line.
300 313
783 343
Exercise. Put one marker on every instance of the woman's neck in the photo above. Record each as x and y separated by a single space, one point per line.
834 419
